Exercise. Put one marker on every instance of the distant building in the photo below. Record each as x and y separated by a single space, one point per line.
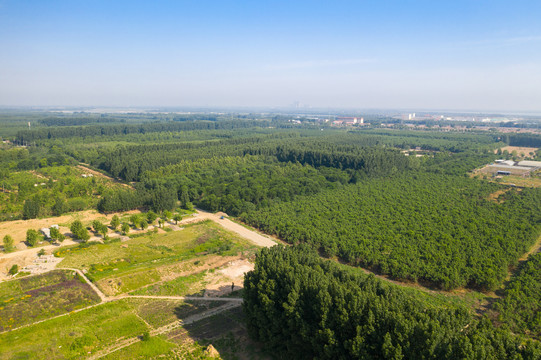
529 163
347 120
508 162
511 170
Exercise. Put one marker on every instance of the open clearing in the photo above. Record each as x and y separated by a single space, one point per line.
521 151
201 259
158 260
88 170
17 229
532 181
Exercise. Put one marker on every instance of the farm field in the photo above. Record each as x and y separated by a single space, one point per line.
30 299
201 259
157 259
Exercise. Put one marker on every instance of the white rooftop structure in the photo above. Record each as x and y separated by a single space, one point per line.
530 163
46 232
505 167
508 162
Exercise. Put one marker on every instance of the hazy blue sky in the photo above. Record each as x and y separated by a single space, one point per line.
363 54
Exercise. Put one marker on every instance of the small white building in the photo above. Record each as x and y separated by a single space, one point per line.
46 232
506 162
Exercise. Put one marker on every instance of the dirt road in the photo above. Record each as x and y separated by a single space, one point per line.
248 234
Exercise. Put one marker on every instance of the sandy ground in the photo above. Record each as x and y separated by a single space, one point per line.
521 151
227 279
25 256
17 229
251 235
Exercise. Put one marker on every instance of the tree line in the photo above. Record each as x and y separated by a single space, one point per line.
302 307
28 136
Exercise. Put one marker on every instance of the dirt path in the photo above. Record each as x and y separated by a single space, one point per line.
164 329
94 287
195 298
248 234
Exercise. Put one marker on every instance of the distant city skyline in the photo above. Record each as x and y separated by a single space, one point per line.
461 55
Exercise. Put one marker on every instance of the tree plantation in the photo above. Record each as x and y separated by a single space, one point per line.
436 228
303 307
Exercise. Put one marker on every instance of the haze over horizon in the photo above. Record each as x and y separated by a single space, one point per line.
483 55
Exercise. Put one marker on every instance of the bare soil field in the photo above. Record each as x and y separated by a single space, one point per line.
17 229
521 151
227 279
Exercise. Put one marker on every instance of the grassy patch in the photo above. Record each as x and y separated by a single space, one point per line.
180 286
154 346
73 336
124 267
162 312
128 281
39 297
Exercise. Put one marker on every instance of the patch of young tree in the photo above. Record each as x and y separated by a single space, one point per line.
56 235
302 307
79 231
520 307
32 237
434 228
8 243
99 228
